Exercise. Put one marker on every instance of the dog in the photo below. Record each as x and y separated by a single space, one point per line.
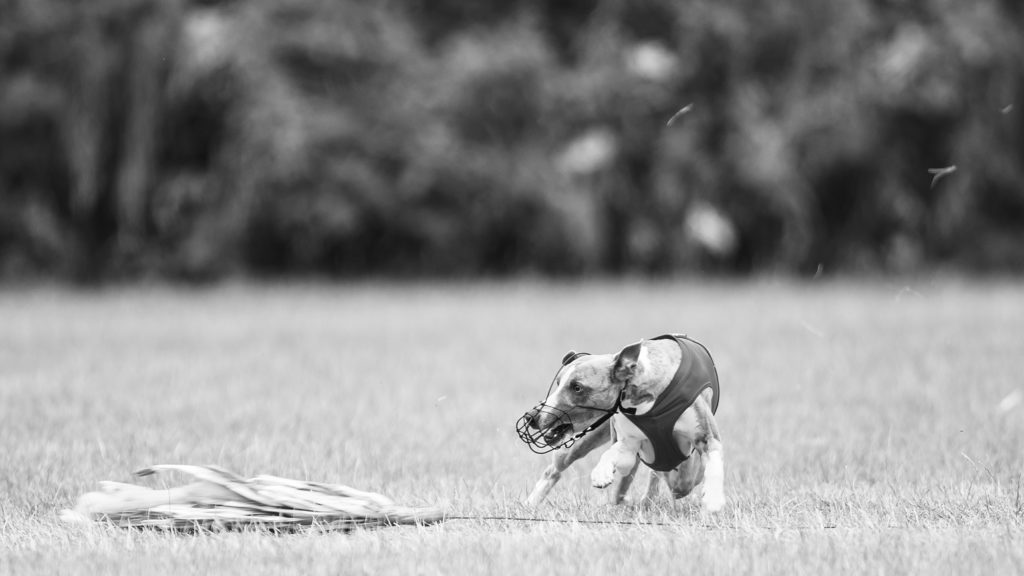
655 400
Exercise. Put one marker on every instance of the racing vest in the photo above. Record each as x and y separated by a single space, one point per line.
696 372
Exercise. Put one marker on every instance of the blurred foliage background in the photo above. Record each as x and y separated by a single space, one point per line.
196 139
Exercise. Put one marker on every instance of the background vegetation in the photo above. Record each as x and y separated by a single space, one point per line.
198 138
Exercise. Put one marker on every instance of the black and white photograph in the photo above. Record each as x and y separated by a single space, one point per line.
568 287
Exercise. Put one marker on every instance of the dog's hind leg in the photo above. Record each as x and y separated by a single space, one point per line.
687 476
564 458
714 469
700 433
714 475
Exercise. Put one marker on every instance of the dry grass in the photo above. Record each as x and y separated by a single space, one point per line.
864 424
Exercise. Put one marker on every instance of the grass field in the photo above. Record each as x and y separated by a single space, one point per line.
868 427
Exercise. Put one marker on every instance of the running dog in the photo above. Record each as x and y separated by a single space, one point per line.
655 400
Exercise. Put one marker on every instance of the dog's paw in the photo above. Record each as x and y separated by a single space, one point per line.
602 476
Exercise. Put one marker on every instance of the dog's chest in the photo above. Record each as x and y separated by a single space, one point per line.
633 437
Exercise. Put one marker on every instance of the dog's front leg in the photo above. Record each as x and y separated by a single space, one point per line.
653 483
619 461
564 458
619 486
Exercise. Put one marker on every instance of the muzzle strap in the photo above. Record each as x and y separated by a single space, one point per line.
597 423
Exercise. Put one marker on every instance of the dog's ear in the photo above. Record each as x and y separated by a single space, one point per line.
626 362
571 355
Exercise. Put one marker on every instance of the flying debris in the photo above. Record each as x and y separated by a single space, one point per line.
940 173
682 112
1011 401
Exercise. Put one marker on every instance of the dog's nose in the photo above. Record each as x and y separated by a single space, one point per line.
531 419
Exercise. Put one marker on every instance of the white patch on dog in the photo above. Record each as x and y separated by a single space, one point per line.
603 474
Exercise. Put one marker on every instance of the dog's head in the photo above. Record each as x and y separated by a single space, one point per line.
585 388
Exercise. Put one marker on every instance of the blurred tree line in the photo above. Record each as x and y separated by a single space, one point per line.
193 139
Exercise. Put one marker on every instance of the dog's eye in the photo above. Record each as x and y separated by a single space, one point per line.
576 387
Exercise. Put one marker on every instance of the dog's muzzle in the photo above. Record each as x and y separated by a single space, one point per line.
552 436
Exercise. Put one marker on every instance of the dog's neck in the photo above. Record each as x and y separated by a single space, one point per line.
656 366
